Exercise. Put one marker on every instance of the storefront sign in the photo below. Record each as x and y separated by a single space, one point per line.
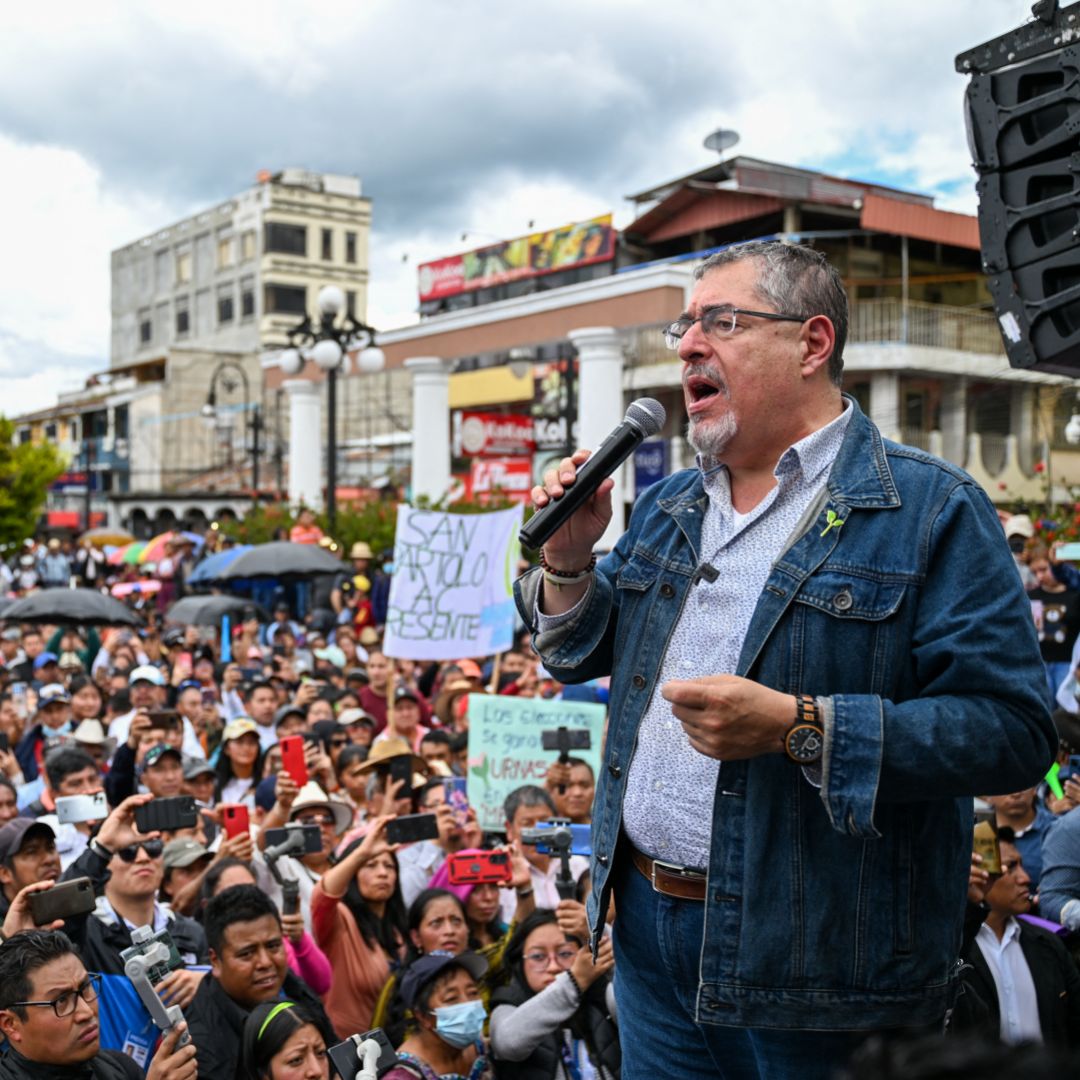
650 463
510 477
495 434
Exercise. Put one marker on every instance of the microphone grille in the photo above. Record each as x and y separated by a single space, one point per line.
647 415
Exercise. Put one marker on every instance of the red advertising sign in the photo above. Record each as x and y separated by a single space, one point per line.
496 434
580 244
511 477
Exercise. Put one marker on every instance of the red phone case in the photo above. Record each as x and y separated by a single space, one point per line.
292 759
234 817
477 868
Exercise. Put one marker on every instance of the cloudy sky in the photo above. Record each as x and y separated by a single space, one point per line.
118 117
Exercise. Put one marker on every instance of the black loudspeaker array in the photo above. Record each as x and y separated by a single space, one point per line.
1023 119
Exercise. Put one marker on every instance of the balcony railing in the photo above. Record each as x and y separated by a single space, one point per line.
885 321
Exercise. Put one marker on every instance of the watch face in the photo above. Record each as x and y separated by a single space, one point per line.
805 743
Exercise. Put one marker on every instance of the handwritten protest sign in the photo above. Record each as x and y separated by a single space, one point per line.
505 746
450 595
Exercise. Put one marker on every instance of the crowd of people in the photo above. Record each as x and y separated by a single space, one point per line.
280 957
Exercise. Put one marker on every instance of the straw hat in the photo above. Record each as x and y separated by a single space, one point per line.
383 750
312 795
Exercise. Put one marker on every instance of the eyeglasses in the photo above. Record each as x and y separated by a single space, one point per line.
317 819
540 960
340 742
65 1003
153 848
720 319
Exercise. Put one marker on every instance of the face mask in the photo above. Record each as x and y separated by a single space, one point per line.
50 732
388 568
460 1025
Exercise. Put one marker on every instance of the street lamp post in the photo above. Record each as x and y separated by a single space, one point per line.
209 412
328 342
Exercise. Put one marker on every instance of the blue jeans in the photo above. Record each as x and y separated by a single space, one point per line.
1057 671
657 955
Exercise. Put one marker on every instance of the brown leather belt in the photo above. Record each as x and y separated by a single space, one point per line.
669 879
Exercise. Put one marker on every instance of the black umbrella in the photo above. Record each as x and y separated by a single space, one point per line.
71 607
208 610
284 559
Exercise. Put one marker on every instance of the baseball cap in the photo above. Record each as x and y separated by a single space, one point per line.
195 767
12 633
51 694
421 971
1020 525
349 717
173 636
470 669
333 654
13 835
286 711
146 673
405 694
184 852
156 753
241 726
44 658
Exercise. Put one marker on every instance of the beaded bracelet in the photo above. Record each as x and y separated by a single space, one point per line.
567 575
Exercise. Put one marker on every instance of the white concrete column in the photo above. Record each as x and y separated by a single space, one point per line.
431 426
600 408
954 420
885 403
1022 423
305 442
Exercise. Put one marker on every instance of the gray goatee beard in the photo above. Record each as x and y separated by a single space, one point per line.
711 437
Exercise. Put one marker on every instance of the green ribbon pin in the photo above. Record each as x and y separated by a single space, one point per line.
834 521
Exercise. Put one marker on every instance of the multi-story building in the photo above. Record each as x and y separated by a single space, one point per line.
236 276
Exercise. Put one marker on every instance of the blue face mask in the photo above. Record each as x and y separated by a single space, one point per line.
388 568
460 1025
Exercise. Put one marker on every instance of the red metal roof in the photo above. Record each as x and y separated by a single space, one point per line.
688 211
920 222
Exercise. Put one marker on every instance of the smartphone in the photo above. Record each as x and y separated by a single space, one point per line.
410 828
62 901
479 868
312 838
209 696
75 809
158 971
1069 552
278 651
5 743
346 1058
235 820
580 842
401 768
164 719
985 843
185 658
564 740
167 815
457 799
292 759
18 697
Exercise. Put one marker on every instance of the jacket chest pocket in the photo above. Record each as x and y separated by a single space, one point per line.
636 588
843 629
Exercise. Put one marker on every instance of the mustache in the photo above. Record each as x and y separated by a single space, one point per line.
705 372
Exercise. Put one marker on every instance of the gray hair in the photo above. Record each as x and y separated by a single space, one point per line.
795 280
526 795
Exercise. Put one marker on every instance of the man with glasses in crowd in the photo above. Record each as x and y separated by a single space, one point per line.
49 1017
808 686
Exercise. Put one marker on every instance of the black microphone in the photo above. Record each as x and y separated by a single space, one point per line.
645 417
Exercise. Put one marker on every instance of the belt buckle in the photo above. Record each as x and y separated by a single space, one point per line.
671 868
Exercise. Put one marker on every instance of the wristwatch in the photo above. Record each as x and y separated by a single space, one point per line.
805 741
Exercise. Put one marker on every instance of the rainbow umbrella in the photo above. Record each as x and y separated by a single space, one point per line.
128 555
155 549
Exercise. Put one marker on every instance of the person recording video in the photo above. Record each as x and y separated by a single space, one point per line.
808 685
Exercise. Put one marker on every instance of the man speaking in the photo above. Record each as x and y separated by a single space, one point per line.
820 649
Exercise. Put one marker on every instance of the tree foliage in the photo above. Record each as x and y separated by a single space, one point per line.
26 471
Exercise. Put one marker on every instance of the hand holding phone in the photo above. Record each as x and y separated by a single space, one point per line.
293 760
235 819
479 868
167 815
412 828
63 901
77 809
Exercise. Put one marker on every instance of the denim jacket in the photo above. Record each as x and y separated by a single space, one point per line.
840 906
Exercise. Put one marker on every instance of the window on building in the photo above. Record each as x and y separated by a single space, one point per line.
73 431
327 245
225 307
286 300
162 271
350 247
146 327
247 298
50 432
24 435
350 303
183 267
121 417
183 316
247 245
285 239
225 252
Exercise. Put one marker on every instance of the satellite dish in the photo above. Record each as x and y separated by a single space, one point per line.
721 139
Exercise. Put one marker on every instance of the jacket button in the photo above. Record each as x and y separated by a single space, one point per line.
638 681
615 771
667 589
602 860
842 601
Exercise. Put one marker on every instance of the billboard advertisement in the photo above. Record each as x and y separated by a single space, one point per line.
580 244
